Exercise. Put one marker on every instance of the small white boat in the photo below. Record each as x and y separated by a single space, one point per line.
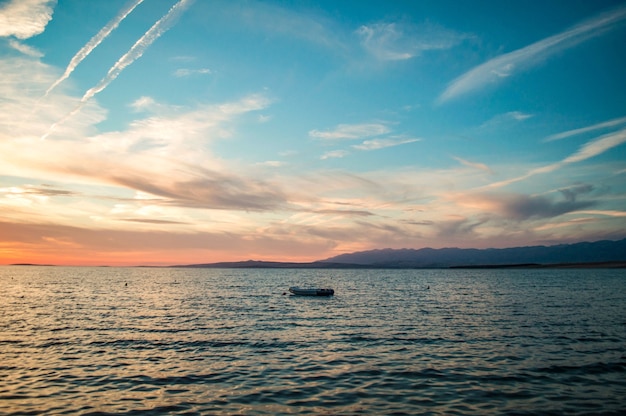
311 292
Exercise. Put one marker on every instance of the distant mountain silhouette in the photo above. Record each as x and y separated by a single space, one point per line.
596 252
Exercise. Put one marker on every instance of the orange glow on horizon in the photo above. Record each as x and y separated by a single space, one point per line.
59 257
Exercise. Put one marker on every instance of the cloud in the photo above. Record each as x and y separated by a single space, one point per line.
186 72
351 131
590 149
504 66
523 207
309 26
41 190
25 49
344 212
25 18
272 163
94 42
511 116
137 157
401 41
608 213
572 192
458 227
607 124
153 221
206 189
474 165
376 144
145 104
598 146
335 154
23 116
135 52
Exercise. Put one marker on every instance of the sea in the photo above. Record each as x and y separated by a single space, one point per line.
152 341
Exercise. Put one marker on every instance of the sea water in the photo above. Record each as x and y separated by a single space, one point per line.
233 341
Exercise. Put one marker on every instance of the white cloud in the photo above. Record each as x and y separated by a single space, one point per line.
599 126
144 104
25 18
351 131
474 165
401 41
518 115
24 115
25 49
506 118
598 146
503 66
376 144
186 72
335 154
272 163
590 149
309 26
167 156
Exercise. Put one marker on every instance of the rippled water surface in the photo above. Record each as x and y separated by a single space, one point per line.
217 341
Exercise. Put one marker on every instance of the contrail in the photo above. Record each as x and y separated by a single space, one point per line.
135 52
93 43
160 27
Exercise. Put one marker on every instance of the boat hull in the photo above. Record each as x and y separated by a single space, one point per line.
311 292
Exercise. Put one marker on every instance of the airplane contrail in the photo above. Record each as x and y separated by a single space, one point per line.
137 50
134 53
93 43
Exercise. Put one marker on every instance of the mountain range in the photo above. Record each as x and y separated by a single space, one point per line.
605 252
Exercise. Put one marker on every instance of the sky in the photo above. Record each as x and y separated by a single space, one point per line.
164 132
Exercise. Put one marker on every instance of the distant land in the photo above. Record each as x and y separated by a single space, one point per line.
603 253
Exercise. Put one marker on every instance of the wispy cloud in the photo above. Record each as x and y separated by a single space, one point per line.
144 104
506 118
590 149
311 26
135 159
186 72
94 42
135 52
599 126
25 49
272 163
504 66
335 154
474 165
607 213
400 40
598 146
39 190
376 144
351 131
25 18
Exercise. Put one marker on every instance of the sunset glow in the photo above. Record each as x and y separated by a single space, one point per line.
165 132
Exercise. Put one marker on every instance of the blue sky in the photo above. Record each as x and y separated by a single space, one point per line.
168 132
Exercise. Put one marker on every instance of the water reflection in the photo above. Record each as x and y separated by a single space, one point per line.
79 340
